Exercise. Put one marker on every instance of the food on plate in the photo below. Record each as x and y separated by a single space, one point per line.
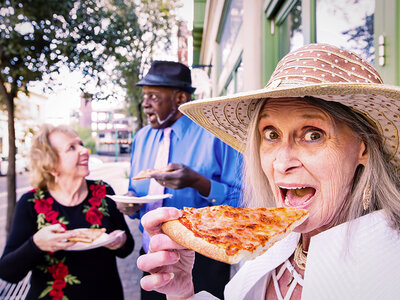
146 174
86 235
230 234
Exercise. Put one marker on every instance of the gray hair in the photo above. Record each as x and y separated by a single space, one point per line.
379 175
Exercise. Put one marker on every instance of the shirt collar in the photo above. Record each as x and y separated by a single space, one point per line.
180 126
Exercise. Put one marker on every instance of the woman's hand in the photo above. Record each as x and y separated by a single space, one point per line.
52 238
119 241
170 264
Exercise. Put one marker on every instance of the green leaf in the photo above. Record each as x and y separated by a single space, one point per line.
63 220
71 279
46 291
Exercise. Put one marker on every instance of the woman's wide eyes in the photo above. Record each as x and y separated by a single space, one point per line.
270 134
313 135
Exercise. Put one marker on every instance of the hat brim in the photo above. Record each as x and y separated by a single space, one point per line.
227 117
147 82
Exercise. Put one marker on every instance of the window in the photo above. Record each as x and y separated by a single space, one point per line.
235 82
348 24
230 30
296 38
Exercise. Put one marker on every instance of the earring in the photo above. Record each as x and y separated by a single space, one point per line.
366 198
55 178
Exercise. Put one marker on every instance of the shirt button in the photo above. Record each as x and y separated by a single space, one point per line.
213 200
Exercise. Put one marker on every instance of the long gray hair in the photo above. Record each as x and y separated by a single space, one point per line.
378 175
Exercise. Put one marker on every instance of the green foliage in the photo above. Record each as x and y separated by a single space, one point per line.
103 39
85 133
156 20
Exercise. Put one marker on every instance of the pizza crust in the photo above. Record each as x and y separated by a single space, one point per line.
146 174
185 237
86 235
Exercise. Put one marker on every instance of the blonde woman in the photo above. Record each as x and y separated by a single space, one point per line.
323 136
63 199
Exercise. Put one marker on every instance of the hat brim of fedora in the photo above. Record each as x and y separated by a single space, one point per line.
227 117
144 82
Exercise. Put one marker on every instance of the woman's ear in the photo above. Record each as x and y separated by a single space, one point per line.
363 154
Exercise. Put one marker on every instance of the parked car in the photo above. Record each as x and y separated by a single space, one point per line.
21 165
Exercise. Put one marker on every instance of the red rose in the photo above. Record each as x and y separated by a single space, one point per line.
56 294
51 216
59 271
59 284
98 191
43 206
95 201
32 191
94 216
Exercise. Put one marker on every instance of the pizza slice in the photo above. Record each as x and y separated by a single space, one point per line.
86 235
230 234
146 174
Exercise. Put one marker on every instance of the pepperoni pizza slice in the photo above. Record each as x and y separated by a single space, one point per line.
230 234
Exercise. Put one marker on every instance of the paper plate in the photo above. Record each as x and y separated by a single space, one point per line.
138 200
102 240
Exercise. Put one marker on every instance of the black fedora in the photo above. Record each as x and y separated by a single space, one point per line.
170 74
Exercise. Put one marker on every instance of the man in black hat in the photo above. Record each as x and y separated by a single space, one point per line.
202 170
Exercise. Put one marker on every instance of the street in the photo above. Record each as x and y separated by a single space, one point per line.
115 174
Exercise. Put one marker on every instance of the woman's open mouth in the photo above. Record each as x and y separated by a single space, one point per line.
298 197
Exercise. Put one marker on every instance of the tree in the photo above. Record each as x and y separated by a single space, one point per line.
38 37
157 22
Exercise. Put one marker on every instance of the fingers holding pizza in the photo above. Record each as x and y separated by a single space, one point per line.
169 264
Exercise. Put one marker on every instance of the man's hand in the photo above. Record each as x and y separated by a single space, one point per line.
181 177
129 208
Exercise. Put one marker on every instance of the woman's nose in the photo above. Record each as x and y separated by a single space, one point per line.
83 149
286 159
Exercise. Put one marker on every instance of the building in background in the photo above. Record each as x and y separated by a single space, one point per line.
242 41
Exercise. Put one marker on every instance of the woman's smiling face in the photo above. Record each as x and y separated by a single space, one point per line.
309 159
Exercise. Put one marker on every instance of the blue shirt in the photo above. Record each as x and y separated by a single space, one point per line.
196 148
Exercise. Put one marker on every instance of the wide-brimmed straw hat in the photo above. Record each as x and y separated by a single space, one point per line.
318 70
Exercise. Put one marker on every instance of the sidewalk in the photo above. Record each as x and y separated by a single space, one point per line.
115 174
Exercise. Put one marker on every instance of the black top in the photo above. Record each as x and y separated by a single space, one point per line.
90 274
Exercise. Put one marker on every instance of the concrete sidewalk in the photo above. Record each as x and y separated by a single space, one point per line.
115 174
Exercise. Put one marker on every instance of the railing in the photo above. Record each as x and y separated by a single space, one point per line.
15 291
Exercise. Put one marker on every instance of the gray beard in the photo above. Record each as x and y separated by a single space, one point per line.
168 118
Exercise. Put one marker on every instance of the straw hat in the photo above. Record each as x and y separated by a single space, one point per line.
319 70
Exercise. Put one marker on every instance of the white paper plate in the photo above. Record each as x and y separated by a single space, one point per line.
102 240
139 200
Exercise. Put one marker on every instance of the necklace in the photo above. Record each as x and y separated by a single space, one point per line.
300 255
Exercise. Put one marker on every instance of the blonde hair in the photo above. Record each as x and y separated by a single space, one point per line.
379 175
44 157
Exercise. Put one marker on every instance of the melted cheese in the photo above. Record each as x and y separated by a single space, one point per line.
236 229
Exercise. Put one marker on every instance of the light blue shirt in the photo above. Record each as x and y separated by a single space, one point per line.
196 148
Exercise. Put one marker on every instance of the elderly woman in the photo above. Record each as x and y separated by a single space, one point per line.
323 136
63 199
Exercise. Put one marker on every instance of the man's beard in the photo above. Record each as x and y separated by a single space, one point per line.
162 123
